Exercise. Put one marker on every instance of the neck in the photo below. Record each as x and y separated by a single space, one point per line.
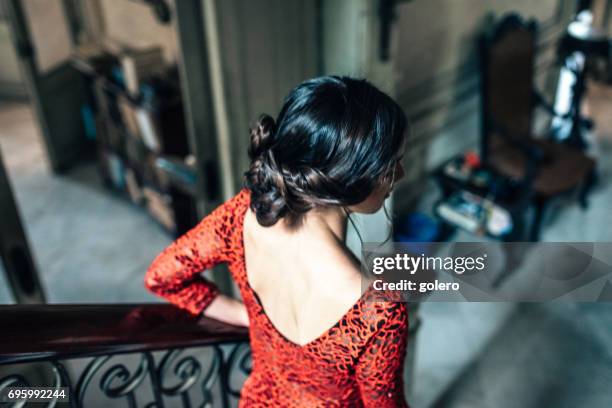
326 221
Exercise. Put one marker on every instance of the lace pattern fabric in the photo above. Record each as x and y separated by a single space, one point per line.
356 363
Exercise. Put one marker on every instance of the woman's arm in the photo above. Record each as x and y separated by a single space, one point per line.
228 310
175 274
379 370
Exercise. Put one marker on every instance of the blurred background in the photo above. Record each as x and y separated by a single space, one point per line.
123 122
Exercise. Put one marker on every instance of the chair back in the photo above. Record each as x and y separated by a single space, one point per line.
506 52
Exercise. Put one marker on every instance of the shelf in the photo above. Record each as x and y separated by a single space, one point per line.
142 142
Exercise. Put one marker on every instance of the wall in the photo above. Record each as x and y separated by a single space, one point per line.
602 14
133 24
49 33
267 48
11 84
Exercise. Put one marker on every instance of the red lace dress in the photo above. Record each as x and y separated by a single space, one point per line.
356 363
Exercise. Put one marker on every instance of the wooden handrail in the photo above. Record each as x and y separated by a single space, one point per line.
60 331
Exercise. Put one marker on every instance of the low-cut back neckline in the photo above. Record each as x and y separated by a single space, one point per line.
259 303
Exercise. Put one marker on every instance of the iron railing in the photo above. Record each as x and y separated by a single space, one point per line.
146 355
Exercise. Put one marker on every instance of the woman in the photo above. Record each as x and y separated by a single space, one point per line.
316 340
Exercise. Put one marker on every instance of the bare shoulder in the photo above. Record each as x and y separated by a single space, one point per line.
339 272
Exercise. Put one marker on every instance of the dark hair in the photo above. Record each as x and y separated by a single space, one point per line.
333 142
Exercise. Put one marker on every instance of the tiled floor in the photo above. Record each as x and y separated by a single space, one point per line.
91 246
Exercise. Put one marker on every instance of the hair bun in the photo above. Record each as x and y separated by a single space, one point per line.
261 135
264 178
336 140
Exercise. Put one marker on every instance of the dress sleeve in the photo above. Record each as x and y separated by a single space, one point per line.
175 274
379 369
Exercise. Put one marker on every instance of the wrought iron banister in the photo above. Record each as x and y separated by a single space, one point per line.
57 335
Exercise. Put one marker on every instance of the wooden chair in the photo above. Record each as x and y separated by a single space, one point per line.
545 168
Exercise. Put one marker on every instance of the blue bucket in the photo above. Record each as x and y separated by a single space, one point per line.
417 229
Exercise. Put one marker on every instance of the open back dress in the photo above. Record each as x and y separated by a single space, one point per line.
358 362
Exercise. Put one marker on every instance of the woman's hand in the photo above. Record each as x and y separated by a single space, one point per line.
227 310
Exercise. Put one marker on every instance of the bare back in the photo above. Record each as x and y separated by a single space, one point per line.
305 279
